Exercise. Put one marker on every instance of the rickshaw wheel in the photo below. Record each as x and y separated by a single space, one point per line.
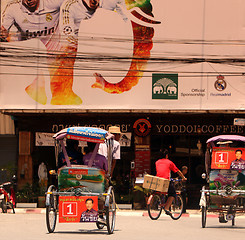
177 207
110 207
4 205
204 216
51 210
154 207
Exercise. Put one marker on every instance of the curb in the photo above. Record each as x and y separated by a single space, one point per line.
27 210
120 212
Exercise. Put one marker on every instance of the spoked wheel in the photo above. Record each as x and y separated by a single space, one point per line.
177 207
51 209
233 220
154 206
110 207
4 205
204 216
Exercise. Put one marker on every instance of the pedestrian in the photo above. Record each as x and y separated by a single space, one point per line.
116 152
184 171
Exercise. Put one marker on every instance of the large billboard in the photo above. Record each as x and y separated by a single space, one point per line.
122 54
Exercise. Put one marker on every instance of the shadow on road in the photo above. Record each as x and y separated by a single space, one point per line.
223 226
85 232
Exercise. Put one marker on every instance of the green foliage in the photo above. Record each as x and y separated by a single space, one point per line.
141 189
28 193
140 194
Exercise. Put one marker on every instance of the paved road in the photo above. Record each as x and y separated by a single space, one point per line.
128 226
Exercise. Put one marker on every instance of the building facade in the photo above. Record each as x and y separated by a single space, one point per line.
166 80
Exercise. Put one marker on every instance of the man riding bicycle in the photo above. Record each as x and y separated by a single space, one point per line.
164 166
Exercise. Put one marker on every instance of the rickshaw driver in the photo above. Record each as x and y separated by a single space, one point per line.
164 166
76 157
99 161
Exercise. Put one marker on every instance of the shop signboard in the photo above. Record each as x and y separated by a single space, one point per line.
44 139
239 121
142 160
125 140
126 55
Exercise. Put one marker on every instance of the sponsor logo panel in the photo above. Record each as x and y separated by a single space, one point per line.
164 86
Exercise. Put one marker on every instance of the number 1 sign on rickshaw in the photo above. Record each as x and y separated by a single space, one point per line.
80 187
225 174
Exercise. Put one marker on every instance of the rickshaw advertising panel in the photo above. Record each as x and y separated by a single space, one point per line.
77 177
221 179
78 209
228 158
122 54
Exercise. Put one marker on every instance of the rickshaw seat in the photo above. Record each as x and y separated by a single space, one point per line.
89 179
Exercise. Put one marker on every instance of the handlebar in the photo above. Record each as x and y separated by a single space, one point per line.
176 180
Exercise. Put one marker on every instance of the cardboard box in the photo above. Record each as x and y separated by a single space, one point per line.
155 183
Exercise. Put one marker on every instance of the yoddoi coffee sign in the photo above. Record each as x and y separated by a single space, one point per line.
199 129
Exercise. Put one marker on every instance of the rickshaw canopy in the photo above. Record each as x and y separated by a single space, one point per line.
226 138
89 134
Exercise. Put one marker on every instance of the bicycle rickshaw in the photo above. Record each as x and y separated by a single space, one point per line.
225 174
78 184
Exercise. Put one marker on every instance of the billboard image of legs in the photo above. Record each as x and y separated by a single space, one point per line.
56 24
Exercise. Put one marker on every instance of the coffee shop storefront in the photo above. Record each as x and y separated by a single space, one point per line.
143 134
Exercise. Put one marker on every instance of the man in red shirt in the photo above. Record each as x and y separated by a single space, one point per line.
163 168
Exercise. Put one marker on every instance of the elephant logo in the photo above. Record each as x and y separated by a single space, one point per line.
165 86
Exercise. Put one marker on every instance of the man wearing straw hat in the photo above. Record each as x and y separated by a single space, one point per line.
115 130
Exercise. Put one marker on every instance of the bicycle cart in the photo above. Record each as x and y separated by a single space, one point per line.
83 193
225 175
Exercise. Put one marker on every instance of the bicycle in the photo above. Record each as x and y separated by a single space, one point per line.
157 200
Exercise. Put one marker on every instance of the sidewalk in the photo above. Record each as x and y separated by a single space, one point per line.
193 213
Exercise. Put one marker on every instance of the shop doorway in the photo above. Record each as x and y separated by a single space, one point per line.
184 150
